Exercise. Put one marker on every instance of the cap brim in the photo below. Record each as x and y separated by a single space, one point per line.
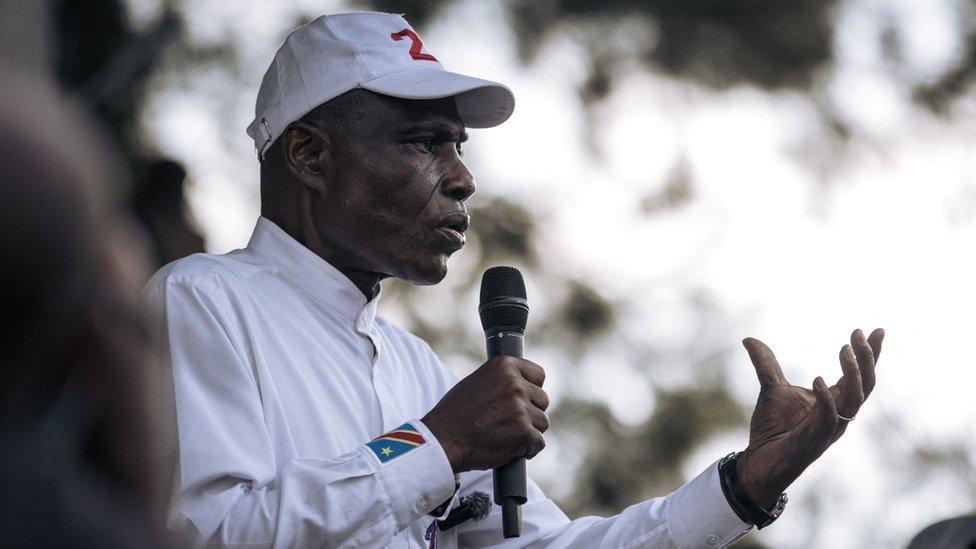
480 103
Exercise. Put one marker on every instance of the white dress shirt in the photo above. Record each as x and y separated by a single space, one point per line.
283 372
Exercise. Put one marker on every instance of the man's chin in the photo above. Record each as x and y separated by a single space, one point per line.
428 273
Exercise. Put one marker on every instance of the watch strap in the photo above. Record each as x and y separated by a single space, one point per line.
741 504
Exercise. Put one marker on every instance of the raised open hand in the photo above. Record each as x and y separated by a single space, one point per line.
792 426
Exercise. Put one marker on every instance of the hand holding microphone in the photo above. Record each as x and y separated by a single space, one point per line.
495 417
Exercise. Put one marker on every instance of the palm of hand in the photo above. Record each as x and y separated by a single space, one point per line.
783 432
792 426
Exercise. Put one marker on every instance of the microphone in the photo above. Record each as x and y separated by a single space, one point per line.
504 313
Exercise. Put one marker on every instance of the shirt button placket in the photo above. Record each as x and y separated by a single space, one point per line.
387 403
391 413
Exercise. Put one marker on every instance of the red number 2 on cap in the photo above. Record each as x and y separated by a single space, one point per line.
416 47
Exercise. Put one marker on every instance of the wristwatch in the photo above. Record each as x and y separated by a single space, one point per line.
744 507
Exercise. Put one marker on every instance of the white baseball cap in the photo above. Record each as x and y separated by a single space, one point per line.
374 51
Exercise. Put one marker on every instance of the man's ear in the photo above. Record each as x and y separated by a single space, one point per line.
306 151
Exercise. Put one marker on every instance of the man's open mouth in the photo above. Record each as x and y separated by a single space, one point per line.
453 227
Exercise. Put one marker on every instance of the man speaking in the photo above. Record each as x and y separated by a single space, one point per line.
305 420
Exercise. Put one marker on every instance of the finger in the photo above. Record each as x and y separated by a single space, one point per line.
532 372
865 361
825 417
538 397
539 419
763 359
874 340
851 394
536 444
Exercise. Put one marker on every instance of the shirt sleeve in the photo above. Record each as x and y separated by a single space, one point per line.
229 490
695 515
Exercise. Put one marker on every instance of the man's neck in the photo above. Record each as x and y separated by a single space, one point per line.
306 235
368 283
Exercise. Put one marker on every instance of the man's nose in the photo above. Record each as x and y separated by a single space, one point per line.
459 185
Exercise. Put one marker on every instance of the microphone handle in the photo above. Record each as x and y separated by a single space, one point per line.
509 479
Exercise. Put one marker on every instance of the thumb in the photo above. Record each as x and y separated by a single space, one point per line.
764 361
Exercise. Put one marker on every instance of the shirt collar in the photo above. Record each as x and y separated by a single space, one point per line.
314 274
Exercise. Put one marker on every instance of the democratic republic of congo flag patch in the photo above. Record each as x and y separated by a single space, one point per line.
396 443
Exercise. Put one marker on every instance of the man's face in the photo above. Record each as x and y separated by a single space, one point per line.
395 188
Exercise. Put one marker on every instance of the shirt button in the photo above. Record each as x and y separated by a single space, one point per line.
712 540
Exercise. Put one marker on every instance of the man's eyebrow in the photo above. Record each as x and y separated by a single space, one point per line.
444 131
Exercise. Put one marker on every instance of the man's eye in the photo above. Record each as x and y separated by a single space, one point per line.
432 145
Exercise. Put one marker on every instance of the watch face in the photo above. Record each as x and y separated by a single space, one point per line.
780 506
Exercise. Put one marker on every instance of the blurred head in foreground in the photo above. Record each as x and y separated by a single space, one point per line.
954 533
81 404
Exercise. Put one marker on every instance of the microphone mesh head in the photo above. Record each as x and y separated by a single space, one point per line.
479 503
498 283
